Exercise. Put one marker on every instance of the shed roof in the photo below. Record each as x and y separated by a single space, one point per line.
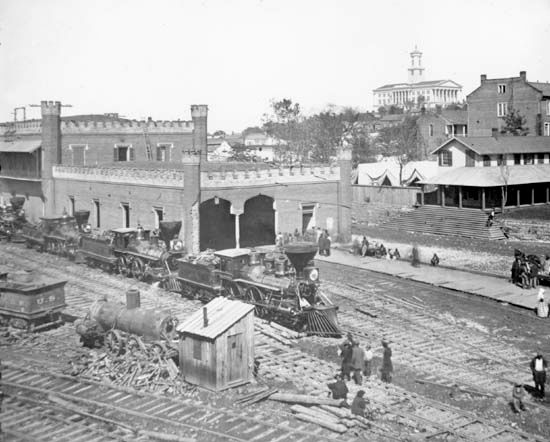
502 145
492 176
543 87
222 314
20 146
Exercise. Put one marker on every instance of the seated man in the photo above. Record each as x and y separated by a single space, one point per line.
435 260
359 404
338 389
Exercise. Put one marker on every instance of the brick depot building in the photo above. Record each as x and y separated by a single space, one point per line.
128 172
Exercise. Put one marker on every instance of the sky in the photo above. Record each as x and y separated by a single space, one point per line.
156 58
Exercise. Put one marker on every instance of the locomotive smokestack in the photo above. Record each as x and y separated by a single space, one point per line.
204 317
168 230
299 254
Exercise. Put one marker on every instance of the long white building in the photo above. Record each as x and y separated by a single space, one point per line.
407 95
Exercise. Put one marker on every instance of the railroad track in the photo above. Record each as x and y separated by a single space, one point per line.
77 409
403 413
410 413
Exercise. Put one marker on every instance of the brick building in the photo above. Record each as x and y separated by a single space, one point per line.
435 128
129 172
494 98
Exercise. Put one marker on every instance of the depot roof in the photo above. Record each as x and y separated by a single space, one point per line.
492 176
20 146
502 145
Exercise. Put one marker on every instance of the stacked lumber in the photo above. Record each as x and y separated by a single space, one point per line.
138 370
255 396
331 414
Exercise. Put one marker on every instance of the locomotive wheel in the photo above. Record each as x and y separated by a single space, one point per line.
138 269
231 290
122 266
254 295
114 342
135 344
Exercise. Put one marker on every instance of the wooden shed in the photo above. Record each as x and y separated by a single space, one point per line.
217 345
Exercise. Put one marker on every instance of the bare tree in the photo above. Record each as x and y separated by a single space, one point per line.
505 175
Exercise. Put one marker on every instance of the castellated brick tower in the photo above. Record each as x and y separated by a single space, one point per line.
344 194
51 151
199 113
191 200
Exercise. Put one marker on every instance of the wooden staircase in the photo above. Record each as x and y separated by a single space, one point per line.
453 221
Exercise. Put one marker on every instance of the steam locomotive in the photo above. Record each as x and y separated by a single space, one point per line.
282 285
12 217
60 236
134 252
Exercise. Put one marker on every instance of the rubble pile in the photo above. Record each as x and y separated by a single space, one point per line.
137 369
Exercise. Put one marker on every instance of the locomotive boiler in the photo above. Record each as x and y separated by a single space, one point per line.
134 252
283 286
127 327
58 235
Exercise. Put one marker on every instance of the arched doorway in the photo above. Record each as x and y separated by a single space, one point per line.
217 225
257 223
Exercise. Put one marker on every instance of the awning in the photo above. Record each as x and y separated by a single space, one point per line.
492 176
20 146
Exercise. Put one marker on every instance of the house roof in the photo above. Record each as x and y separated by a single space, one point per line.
502 145
455 116
222 313
492 176
20 146
543 87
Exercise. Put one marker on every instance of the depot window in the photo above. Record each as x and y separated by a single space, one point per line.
164 151
78 154
123 152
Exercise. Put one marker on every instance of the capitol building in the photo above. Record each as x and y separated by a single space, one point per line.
406 95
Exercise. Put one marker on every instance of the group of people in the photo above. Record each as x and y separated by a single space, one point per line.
538 366
526 269
357 362
378 250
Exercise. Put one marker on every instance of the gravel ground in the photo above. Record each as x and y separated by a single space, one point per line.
465 253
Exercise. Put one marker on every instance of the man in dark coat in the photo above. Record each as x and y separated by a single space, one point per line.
338 389
387 366
346 354
538 368
516 265
359 404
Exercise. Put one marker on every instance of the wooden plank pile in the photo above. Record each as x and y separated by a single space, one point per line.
135 369
331 414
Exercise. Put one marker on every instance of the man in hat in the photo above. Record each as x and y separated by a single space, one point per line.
387 366
538 368
367 369
517 397
359 404
338 389
346 353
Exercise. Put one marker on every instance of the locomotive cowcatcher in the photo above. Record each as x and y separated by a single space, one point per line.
282 285
134 252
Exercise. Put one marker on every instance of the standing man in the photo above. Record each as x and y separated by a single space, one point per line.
387 366
357 362
542 306
538 368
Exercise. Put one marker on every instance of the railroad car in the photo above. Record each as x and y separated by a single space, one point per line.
12 218
60 236
134 252
283 286
30 301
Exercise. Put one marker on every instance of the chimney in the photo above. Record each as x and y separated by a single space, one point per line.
204 317
483 77
523 75
199 113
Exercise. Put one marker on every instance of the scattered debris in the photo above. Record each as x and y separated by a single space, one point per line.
255 396
305 399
